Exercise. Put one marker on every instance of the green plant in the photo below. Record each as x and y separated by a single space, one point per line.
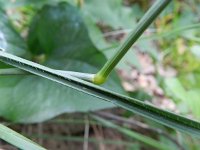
73 79
56 52
145 22
164 117
17 139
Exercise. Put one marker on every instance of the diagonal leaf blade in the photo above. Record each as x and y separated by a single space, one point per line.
149 111
17 139
138 136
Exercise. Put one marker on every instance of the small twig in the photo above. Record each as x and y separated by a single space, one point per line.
29 130
40 132
86 133
138 125
125 31
99 136
117 32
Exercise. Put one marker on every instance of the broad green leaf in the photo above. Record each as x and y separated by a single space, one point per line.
149 111
96 35
17 139
111 13
58 33
10 40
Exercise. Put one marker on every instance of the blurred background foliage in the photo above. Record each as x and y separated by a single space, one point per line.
162 68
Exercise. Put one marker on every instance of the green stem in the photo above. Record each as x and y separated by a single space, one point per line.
143 24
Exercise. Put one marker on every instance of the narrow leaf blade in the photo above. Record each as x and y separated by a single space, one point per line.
138 136
149 111
17 139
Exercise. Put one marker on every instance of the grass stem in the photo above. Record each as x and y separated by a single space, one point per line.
143 24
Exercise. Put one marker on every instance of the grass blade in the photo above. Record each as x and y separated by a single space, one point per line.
17 139
134 135
174 32
149 111
81 139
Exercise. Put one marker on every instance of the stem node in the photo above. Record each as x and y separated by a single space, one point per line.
99 79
